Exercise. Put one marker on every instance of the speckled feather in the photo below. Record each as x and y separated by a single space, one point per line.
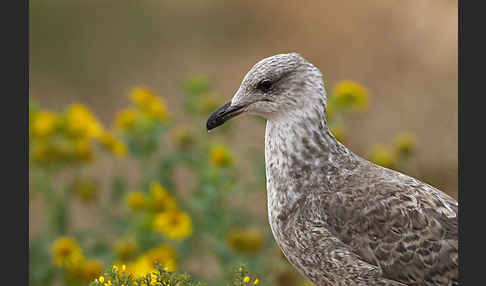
338 218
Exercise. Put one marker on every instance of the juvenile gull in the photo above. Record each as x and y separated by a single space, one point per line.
338 218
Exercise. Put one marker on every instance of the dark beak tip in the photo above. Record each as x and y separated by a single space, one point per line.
210 124
218 117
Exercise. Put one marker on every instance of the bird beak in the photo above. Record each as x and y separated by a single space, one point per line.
223 114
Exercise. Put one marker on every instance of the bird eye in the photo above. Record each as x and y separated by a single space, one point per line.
264 85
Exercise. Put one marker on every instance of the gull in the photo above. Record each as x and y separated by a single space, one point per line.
338 218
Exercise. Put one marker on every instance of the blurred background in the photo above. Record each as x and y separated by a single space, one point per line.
404 53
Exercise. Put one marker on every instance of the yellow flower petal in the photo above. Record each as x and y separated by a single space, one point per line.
220 156
160 199
113 144
43 124
81 122
174 224
350 94
136 200
126 119
66 252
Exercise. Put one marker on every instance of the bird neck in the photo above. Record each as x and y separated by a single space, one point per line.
300 149
302 134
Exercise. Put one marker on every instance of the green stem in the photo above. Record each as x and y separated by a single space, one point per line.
57 205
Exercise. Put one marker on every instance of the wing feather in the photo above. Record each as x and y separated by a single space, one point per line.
406 227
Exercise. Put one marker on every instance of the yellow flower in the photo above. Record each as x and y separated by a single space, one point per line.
101 279
140 267
81 122
82 150
150 104
91 269
160 199
153 280
246 279
86 189
256 281
43 123
220 156
66 252
383 156
41 151
405 142
62 149
174 224
142 96
351 94
126 119
164 254
245 240
126 249
158 110
136 200
113 144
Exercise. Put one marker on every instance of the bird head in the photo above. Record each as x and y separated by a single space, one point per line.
275 86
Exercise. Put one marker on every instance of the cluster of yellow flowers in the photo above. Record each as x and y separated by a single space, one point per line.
126 256
136 201
247 279
220 156
109 141
169 219
68 137
347 96
160 275
138 267
147 108
389 156
404 143
160 199
67 254
102 281
174 224
164 254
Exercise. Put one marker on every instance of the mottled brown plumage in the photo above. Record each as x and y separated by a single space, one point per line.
338 218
